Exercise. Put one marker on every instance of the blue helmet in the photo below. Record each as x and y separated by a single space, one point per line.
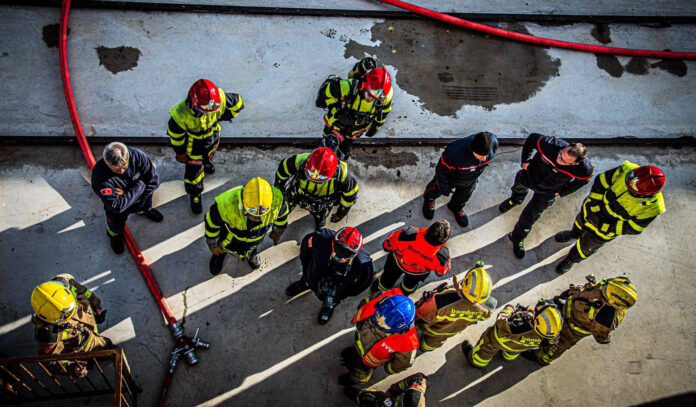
394 314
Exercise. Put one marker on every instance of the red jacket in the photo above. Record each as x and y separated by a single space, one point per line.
380 349
415 255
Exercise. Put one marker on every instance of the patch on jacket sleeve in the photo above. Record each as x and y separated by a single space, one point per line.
408 234
309 242
106 191
443 255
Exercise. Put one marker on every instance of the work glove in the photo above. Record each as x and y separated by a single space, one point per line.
181 158
371 132
276 234
79 369
100 315
341 213
216 250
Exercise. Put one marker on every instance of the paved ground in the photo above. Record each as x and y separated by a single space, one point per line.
268 351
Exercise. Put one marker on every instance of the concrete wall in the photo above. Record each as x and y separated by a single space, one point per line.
129 68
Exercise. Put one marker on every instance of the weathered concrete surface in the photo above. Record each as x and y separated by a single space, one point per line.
129 68
268 351
592 7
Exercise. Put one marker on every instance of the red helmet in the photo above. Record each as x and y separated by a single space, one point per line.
204 96
377 82
346 244
646 180
321 165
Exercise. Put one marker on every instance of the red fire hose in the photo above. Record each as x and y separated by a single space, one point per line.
537 40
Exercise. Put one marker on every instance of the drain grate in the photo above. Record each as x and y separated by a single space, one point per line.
474 93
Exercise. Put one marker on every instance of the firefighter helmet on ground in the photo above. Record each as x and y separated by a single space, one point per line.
377 82
395 313
53 302
321 165
347 243
204 96
548 320
477 285
257 197
646 180
619 292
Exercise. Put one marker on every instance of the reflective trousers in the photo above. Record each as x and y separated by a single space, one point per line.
586 244
487 347
569 336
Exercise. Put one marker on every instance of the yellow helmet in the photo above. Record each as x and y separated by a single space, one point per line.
477 284
548 320
53 302
257 197
619 292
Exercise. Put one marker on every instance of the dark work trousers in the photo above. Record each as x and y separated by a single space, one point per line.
460 197
116 222
319 216
195 171
531 213
391 274
587 243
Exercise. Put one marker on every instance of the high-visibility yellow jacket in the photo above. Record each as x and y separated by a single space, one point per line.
610 210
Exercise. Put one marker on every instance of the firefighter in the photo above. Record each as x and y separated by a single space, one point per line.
409 392
356 106
444 312
317 182
622 201
334 266
460 165
65 320
194 131
124 179
238 221
552 168
414 253
517 329
593 309
385 337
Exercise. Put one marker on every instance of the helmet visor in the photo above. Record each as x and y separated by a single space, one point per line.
66 313
316 176
256 211
209 108
342 253
377 93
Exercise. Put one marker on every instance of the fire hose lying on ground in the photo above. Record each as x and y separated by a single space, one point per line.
186 346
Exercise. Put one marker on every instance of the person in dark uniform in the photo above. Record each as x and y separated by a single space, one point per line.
551 167
460 165
334 267
124 179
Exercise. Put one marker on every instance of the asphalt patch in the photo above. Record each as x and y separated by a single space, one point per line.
118 59
373 157
610 64
601 33
448 68
639 66
51 35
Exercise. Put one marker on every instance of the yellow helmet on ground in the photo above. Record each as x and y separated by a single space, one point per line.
477 284
548 320
52 302
257 197
619 292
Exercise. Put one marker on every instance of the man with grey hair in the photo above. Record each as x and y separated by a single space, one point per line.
124 179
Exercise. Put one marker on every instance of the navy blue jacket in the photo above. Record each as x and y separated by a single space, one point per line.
544 174
138 183
351 278
458 166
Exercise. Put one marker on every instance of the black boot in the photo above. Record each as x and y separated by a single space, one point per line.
507 205
296 288
460 217
345 380
117 243
216 263
196 204
428 208
254 261
517 247
324 315
565 236
564 266
153 214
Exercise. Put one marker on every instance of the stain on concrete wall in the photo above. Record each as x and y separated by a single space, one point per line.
448 68
51 33
636 66
118 59
385 157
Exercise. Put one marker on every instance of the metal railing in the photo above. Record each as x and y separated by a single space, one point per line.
34 378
